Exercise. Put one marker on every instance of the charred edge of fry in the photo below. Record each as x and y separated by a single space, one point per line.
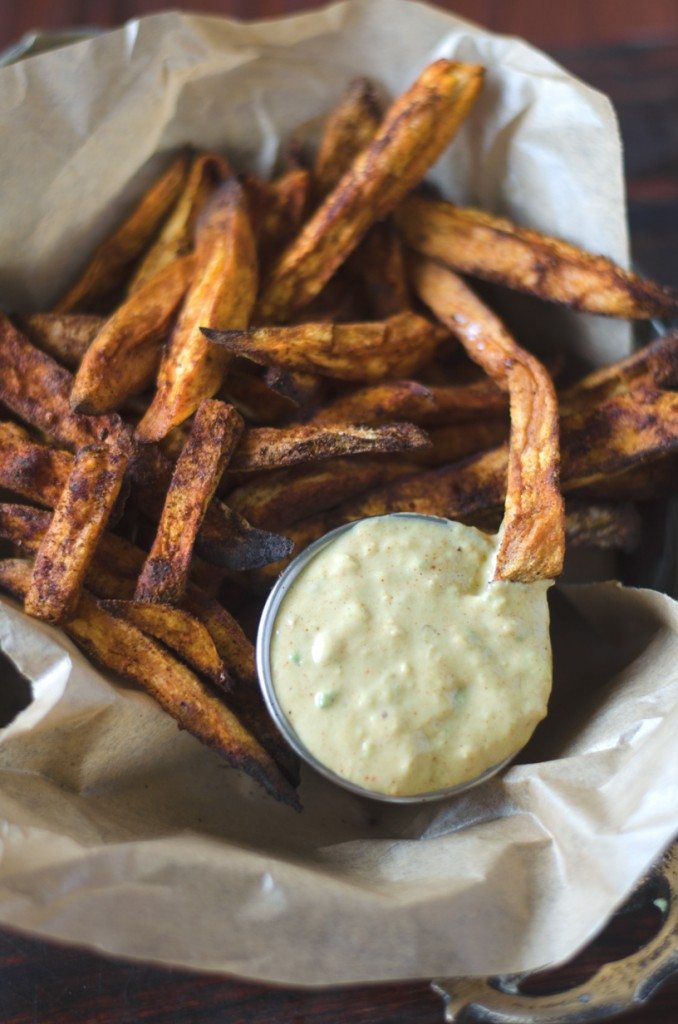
228 540
271 447
214 433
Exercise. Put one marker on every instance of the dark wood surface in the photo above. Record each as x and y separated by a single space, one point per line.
627 48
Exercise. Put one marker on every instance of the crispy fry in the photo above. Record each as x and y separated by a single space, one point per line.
287 495
214 434
178 630
222 296
656 363
113 574
456 441
379 403
272 448
79 519
348 130
459 403
413 134
363 352
65 336
112 259
29 469
124 357
37 390
277 209
120 646
379 265
494 249
206 172
532 543
225 538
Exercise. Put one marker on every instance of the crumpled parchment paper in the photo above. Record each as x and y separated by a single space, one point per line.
121 833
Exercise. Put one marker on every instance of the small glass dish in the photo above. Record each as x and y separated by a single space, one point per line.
264 637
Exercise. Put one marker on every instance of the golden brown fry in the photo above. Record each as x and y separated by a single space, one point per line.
456 441
459 403
277 209
494 249
32 470
37 390
379 265
120 646
215 431
348 130
207 171
379 403
79 519
283 497
178 630
113 574
123 358
222 296
363 352
413 134
112 259
65 336
273 448
532 543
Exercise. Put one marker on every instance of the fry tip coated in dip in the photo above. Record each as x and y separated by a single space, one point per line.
400 666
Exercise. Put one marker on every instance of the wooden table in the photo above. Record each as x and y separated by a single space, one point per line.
44 984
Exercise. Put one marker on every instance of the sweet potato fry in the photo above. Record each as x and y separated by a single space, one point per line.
413 134
305 390
602 525
379 266
79 519
124 357
221 296
277 209
273 448
459 403
113 258
656 363
120 646
206 172
65 336
178 630
214 434
364 352
37 390
253 397
348 130
283 497
494 249
225 538
32 470
456 441
647 482
379 403
113 574
532 543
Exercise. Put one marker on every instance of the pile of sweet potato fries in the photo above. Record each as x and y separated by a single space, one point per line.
245 364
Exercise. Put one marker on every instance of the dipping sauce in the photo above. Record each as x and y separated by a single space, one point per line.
400 666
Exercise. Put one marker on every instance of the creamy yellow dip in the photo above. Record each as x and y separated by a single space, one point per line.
401 666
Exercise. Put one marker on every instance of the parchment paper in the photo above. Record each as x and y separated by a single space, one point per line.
121 833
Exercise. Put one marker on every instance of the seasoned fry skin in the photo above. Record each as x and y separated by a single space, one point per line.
65 336
113 574
455 441
379 403
413 134
123 358
37 390
272 448
206 172
111 261
493 248
32 470
364 352
348 130
222 296
277 209
120 646
79 519
214 433
178 630
532 540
